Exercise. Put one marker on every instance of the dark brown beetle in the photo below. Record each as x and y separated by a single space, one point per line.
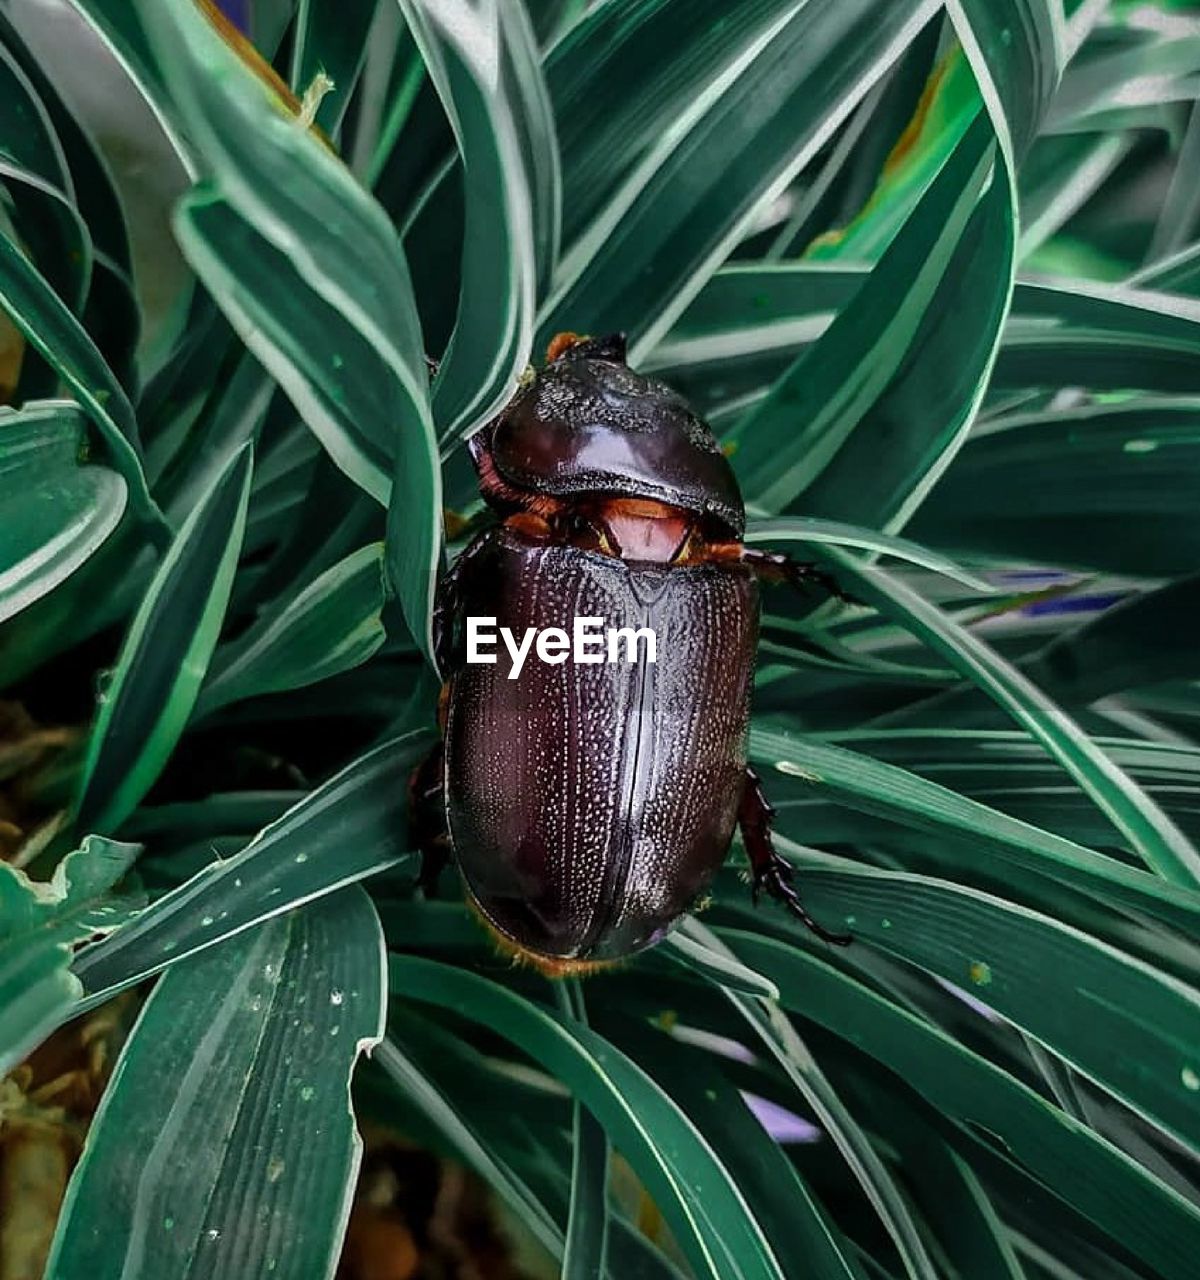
590 805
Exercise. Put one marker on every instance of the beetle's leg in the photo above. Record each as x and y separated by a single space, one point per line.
771 872
447 601
778 566
427 828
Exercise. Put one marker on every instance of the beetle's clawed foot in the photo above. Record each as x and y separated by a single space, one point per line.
427 831
778 566
776 879
806 575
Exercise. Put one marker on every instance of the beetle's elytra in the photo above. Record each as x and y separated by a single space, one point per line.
589 806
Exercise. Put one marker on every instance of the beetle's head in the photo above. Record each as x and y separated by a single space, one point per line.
588 432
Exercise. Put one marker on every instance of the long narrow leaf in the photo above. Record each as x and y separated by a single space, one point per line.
242 1059
485 66
166 653
1112 1189
692 1188
350 828
54 511
291 193
1149 830
650 248
1083 998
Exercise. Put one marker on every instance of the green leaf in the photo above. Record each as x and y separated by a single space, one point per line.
692 1189
39 190
484 64
835 533
49 326
413 548
508 1126
950 1195
759 1012
27 137
738 142
101 592
343 389
119 25
87 177
242 1059
1060 176
165 655
294 194
883 790
1137 642
1017 49
852 1142
54 511
848 157
1007 768
626 72
340 317
753 319
48 229
1176 273
1145 639
39 925
928 409
1102 336
1154 316
337 395
1148 829
330 626
788 439
95 229
233 414
586 1244
1082 998
1125 73
1115 1192
1050 486
745 328
345 830
1177 223
805 1241
689 946
468 1146
939 111
1043 357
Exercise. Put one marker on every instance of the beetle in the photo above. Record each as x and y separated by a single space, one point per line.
588 806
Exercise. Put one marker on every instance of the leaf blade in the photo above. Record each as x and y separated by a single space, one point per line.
162 663
282 1013
54 512
606 1082
1150 831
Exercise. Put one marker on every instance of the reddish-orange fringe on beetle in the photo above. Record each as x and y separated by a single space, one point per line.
562 342
547 966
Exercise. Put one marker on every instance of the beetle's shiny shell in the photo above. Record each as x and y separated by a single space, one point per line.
590 804
587 426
